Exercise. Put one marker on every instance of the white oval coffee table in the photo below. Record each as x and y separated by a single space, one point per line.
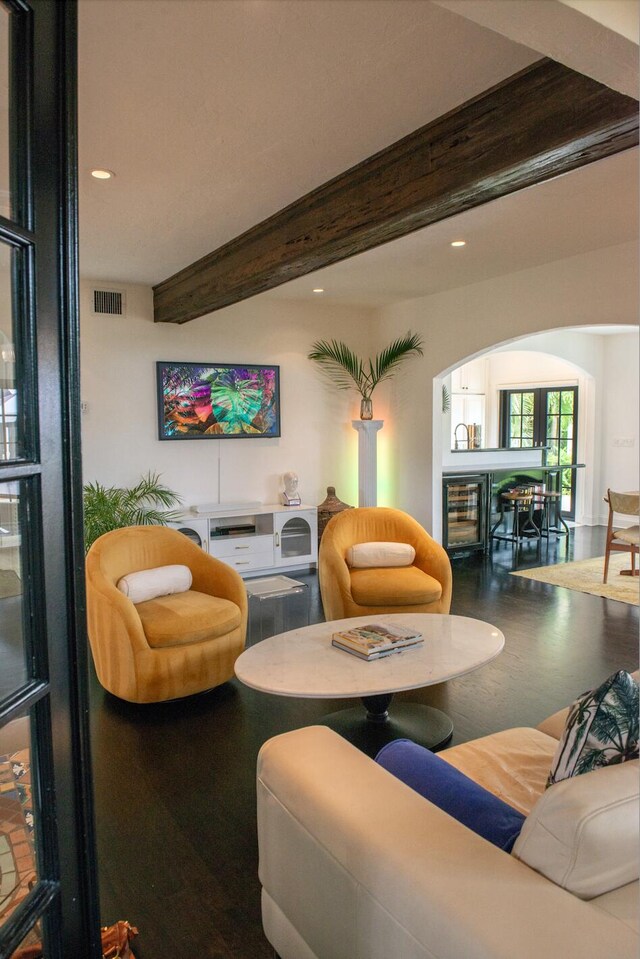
303 663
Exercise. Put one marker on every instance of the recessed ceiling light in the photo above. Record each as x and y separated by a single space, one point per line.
459 243
102 174
318 289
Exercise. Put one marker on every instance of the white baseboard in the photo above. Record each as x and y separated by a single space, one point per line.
621 522
593 521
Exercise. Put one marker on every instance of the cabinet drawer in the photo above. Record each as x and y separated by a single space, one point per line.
244 564
240 546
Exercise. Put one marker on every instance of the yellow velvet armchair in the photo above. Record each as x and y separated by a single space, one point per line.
171 646
423 587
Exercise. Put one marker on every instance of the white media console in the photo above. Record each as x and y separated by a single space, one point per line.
256 539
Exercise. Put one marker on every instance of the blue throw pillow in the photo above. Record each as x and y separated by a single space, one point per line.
452 791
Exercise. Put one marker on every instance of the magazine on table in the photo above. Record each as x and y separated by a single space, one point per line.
376 639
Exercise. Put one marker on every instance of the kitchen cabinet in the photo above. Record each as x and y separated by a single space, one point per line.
470 377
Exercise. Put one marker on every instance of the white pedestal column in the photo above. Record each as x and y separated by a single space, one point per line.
367 460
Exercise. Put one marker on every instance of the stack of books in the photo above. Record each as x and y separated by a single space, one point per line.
376 640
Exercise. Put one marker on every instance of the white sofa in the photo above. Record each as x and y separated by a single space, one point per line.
356 865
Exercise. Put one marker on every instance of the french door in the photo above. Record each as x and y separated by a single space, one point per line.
48 887
548 417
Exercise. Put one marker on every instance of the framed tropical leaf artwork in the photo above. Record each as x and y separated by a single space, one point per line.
216 401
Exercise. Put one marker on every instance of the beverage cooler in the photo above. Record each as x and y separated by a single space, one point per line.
464 504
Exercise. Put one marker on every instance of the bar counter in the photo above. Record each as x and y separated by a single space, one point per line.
471 498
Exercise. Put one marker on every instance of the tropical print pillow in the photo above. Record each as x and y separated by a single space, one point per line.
601 729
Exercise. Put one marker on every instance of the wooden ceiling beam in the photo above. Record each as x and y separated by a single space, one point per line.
544 121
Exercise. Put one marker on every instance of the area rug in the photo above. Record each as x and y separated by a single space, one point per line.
585 575
10 584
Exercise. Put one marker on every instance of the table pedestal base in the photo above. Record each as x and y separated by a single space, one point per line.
371 730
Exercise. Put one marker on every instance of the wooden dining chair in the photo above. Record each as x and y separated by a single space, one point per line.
622 540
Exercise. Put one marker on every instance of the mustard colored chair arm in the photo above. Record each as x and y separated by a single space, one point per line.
116 636
212 576
433 559
333 576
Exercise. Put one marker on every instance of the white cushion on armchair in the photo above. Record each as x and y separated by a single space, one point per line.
370 555
148 584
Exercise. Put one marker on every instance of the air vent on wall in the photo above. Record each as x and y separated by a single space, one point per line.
109 303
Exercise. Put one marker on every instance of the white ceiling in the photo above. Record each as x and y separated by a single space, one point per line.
214 115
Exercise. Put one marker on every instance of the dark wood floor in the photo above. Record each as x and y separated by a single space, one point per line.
174 783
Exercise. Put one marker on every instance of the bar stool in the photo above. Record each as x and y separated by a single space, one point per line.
521 501
550 501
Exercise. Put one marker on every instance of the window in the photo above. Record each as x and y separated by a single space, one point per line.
544 417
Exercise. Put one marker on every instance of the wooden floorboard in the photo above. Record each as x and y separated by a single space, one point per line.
175 782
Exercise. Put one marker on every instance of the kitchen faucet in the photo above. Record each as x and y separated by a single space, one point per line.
455 435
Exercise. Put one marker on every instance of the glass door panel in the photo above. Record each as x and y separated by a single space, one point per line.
561 412
464 513
12 323
13 655
18 816
521 412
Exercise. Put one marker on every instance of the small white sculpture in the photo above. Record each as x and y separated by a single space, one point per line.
291 496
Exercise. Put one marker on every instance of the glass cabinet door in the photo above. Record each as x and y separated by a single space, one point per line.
295 538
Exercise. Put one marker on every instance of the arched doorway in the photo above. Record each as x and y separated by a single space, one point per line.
582 361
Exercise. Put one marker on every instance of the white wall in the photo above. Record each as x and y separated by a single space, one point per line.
118 384
620 405
595 288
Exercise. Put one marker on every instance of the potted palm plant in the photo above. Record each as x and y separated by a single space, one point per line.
112 507
348 371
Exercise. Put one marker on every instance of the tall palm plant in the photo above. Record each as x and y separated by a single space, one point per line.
348 371
112 507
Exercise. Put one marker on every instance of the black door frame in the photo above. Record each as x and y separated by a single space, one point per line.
540 426
43 136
